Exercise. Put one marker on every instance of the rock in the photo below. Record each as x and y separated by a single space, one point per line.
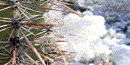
111 17
124 8
126 17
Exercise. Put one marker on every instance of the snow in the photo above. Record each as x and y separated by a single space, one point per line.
121 54
83 37
80 34
70 17
84 55
87 13
53 18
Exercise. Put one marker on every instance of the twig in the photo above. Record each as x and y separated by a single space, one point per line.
5 29
31 9
3 3
58 10
4 25
4 54
34 50
24 14
8 63
24 10
30 58
5 21
26 35
58 49
71 10
11 34
4 46
27 30
23 61
10 50
6 50
35 24
42 55
14 57
16 13
3 42
46 57
5 18
5 8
